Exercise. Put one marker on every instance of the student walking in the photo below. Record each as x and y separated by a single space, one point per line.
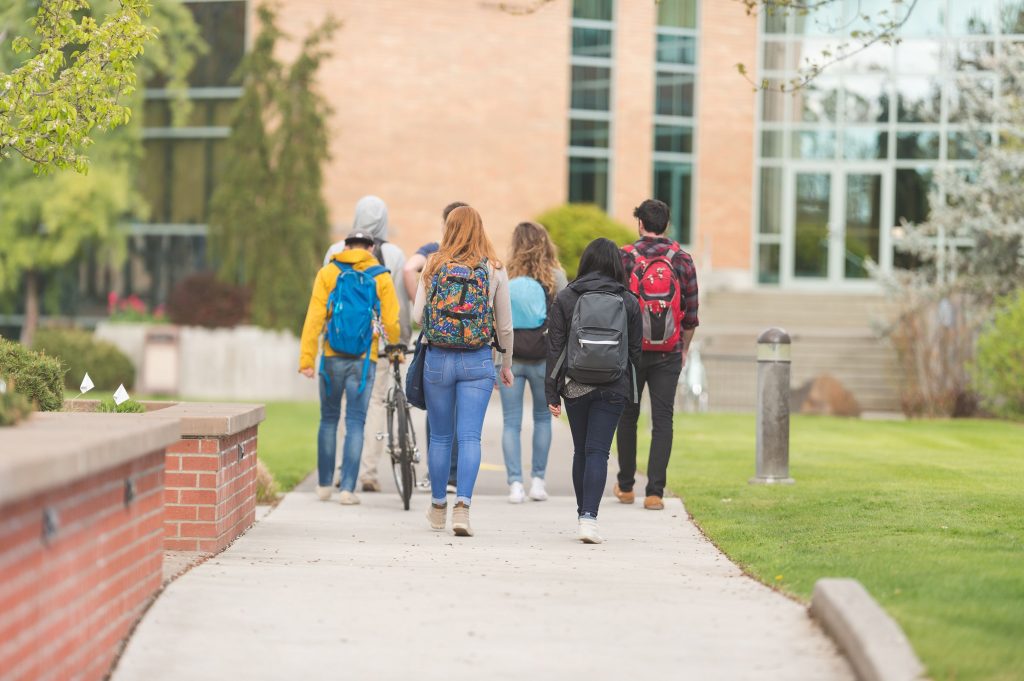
351 297
664 280
594 333
411 274
371 218
462 302
535 278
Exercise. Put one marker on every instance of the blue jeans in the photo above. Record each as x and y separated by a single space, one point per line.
457 386
531 373
344 375
592 419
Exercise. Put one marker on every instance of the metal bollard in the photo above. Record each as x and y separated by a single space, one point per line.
773 360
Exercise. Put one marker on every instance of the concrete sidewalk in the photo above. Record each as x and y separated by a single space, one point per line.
319 591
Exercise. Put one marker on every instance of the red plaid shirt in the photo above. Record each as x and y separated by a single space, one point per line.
652 246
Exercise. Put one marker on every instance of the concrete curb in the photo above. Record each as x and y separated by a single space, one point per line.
876 647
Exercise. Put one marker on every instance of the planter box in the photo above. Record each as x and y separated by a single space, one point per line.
81 538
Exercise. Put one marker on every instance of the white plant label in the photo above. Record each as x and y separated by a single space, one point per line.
87 384
120 395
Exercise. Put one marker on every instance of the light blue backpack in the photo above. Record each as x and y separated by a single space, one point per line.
353 309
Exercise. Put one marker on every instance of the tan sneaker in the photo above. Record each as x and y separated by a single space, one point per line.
437 515
653 503
347 498
460 521
370 485
624 497
324 493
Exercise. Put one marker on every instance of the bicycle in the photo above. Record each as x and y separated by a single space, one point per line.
401 435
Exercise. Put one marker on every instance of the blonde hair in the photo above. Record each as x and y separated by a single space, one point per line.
533 254
464 242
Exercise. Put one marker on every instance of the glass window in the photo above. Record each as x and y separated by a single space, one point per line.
877 58
677 13
677 49
774 18
588 181
774 55
919 57
817 101
911 200
969 55
673 138
813 200
773 101
1013 16
919 100
769 263
203 113
966 145
674 94
222 26
592 9
924 21
178 177
770 220
961 110
586 133
771 143
591 87
865 143
813 144
865 99
811 52
826 19
672 184
863 223
974 17
914 145
591 42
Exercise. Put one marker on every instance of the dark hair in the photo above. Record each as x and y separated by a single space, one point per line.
450 207
602 256
653 214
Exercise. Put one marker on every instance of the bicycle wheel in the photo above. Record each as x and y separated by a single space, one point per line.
404 474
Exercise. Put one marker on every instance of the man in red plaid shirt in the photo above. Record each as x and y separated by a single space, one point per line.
647 261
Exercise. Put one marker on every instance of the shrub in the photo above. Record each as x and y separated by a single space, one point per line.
36 376
13 407
266 486
108 406
205 300
998 369
573 226
80 352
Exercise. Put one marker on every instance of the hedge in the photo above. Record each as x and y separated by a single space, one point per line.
573 226
998 369
82 352
36 376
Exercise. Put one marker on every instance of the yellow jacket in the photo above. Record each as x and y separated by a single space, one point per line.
316 314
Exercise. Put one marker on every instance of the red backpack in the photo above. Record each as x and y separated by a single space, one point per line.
656 286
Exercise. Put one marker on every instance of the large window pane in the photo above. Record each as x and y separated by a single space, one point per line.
813 144
673 138
813 200
674 94
924 21
919 57
974 17
771 143
773 101
826 19
865 143
961 108
919 100
592 9
816 102
774 19
967 145
1013 17
677 49
774 55
677 13
591 42
588 181
672 184
222 25
769 261
917 144
178 178
770 218
865 99
863 223
591 87
911 200
585 133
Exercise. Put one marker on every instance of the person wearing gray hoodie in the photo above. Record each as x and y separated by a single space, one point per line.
371 217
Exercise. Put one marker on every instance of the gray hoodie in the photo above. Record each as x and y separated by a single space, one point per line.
372 217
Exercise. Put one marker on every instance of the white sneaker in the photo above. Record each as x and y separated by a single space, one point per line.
537 491
324 493
516 493
347 498
588 533
450 489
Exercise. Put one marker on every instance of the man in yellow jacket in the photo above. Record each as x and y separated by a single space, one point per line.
344 374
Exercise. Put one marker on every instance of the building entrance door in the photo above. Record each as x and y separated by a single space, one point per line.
833 226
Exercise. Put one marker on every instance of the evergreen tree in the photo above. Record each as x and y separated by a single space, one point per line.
268 223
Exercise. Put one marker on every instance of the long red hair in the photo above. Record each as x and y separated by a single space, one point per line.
464 242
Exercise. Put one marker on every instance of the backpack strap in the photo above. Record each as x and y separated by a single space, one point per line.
376 270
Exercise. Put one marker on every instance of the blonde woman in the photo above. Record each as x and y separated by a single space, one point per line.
462 302
535 278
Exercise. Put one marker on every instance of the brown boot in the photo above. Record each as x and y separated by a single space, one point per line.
624 497
653 503
460 521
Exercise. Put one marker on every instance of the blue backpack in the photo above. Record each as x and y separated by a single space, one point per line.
353 309
529 318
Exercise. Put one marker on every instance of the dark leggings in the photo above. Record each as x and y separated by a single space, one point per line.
592 419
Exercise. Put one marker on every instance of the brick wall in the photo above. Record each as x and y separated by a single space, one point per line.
67 601
210 491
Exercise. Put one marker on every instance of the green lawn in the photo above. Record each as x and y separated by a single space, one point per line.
287 441
928 515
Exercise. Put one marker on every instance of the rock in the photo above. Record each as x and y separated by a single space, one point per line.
824 394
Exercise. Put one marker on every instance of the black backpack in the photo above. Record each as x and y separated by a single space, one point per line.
597 350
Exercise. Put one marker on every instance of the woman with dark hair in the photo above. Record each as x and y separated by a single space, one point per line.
594 337
535 278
